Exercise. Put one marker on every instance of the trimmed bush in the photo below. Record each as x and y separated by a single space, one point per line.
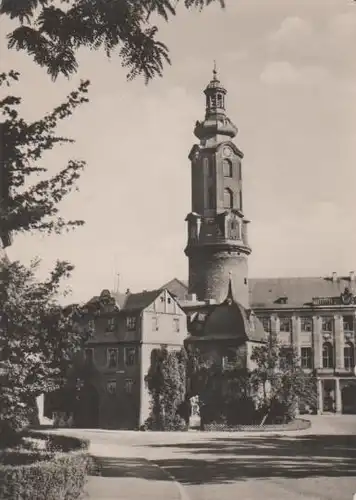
296 425
56 473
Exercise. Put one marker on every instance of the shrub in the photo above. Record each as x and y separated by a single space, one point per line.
56 473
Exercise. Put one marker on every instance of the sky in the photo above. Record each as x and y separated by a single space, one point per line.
289 67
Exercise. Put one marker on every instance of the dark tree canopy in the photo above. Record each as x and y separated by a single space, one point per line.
51 31
38 339
31 203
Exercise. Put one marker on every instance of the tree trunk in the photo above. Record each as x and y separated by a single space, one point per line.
265 417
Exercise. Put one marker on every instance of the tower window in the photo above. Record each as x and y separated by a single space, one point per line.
227 168
220 100
228 198
213 102
234 229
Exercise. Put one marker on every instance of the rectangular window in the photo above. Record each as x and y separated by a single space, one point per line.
130 356
89 355
129 385
131 322
111 386
155 324
266 323
112 357
306 357
285 325
176 324
348 323
327 324
227 168
306 324
110 326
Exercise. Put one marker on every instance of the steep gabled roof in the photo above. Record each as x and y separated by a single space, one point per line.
177 288
139 301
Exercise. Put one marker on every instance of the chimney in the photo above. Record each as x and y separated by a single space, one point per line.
192 297
334 277
352 276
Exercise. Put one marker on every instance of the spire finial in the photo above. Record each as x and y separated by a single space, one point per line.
215 72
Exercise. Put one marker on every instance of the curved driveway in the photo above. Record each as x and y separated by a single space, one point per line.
317 464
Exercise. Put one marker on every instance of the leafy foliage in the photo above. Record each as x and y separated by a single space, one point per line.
279 380
38 340
43 474
52 32
24 205
166 380
234 396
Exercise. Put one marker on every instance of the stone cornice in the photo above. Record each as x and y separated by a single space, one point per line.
227 246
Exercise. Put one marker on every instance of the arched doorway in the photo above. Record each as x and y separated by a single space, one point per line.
86 411
348 395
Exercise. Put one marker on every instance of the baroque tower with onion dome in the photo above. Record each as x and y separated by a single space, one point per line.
217 228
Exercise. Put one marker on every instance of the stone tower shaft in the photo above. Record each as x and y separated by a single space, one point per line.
217 228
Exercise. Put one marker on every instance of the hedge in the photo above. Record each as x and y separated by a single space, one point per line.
56 473
295 425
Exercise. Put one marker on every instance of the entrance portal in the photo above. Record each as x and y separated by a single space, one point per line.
86 411
348 395
328 395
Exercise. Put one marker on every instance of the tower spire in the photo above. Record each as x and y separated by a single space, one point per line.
215 71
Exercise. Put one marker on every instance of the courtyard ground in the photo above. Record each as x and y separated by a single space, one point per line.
316 464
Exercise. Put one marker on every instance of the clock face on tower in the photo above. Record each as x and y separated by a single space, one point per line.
227 151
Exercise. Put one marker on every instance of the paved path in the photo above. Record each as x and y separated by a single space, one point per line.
317 464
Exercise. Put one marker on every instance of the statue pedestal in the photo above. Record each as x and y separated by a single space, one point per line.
194 421
40 406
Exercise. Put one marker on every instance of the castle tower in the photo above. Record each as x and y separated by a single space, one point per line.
217 228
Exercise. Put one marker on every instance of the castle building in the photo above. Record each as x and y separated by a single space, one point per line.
122 331
220 310
228 312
